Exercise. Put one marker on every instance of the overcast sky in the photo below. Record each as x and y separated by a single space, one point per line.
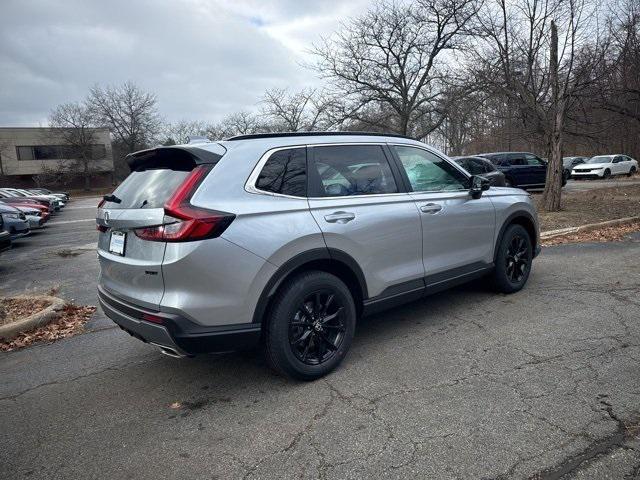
202 58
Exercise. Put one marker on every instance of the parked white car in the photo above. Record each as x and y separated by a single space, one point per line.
603 166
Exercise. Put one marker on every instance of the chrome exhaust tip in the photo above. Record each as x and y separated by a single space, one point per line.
170 352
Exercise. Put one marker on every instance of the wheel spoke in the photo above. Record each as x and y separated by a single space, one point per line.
327 304
302 338
306 350
317 306
327 342
338 328
307 308
328 318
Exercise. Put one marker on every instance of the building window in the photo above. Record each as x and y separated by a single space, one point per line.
58 152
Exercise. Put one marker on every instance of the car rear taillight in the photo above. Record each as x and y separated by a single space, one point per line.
101 203
188 222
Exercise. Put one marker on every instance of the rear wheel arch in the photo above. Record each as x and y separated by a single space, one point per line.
327 260
520 218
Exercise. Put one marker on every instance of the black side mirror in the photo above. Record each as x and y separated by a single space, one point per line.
479 184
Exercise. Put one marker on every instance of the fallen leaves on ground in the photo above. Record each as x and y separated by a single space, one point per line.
605 234
71 320
13 309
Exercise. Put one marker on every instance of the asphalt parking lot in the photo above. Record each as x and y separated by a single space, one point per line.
464 384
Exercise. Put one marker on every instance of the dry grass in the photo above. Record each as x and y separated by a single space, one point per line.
593 206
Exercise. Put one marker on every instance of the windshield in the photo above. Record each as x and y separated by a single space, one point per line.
600 159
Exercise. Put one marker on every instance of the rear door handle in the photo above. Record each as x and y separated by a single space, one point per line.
431 208
339 217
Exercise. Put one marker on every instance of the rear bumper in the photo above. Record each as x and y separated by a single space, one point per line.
177 333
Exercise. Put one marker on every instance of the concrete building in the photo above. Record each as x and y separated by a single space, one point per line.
27 152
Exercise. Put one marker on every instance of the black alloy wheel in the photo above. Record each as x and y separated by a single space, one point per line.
514 258
518 261
310 325
317 329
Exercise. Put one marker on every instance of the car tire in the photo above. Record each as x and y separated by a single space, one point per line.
307 335
513 260
632 171
606 174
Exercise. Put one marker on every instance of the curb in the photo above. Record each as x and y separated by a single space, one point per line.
11 330
588 227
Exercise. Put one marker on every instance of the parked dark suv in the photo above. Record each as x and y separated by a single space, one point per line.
521 169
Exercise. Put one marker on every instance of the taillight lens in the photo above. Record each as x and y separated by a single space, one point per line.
188 222
101 203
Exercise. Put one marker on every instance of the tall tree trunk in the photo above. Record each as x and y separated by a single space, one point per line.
87 176
553 185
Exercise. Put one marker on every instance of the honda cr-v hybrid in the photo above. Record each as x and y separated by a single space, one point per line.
287 239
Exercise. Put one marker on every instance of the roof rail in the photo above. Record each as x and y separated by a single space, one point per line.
312 134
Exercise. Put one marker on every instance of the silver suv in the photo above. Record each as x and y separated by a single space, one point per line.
285 240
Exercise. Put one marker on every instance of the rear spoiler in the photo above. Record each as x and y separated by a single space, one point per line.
178 157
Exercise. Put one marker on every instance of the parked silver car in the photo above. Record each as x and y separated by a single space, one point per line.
15 222
5 237
32 215
286 239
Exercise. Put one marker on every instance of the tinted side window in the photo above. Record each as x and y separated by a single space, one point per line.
477 167
428 172
497 159
285 172
533 160
517 160
353 170
488 166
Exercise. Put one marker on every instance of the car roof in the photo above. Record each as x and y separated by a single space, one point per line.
311 138
4 207
503 153
264 142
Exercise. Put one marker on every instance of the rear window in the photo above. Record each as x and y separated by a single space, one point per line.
148 188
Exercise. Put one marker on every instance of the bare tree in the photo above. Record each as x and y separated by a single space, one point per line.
389 57
619 87
128 111
306 110
539 55
74 125
179 132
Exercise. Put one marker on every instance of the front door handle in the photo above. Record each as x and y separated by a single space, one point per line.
431 208
339 217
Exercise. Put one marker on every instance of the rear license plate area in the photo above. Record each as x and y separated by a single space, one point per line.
117 242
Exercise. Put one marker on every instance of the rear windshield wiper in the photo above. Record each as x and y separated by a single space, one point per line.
111 198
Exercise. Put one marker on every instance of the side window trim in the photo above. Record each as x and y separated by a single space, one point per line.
250 184
314 184
405 177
